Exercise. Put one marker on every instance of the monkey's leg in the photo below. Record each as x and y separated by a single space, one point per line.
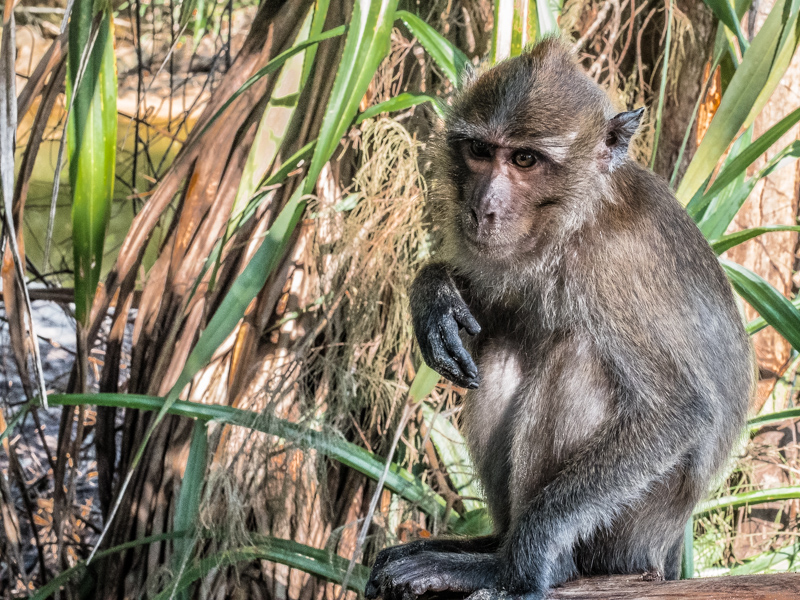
437 312
425 572
610 472
478 545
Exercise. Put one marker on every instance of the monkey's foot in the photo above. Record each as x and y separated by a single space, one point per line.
412 576
654 575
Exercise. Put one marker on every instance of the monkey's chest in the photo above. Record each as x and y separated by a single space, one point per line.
531 412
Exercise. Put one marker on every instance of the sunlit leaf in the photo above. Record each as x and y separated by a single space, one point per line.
747 93
734 239
91 142
450 59
398 480
768 302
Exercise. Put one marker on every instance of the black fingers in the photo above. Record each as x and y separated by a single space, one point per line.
441 345
456 358
465 319
409 577
438 312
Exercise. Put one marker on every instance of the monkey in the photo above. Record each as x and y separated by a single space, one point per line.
607 371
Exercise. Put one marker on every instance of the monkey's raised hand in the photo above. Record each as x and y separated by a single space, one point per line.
437 313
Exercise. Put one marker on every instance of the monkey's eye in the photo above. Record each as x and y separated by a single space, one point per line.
524 159
480 149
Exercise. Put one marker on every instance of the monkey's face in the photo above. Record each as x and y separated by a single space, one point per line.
526 158
508 195
520 163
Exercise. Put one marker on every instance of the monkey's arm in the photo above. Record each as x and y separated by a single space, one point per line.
437 313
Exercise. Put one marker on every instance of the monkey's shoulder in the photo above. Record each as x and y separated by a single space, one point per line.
643 248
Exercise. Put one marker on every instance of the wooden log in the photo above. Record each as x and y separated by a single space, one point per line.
783 586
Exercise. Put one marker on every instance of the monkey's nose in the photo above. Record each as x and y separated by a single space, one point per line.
484 221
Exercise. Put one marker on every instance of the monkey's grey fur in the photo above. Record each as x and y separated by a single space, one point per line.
611 371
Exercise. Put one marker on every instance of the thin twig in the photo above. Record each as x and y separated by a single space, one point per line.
362 534
601 17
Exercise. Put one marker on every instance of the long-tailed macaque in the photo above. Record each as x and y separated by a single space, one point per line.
608 370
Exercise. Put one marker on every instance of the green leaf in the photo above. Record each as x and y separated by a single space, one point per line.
768 302
424 382
400 102
454 455
398 480
724 207
450 59
474 523
663 88
723 10
64 577
687 559
271 131
272 66
747 156
366 46
745 95
188 507
772 418
759 323
546 21
317 23
715 216
319 563
91 142
779 561
747 498
727 242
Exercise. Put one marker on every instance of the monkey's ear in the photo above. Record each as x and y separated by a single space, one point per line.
619 131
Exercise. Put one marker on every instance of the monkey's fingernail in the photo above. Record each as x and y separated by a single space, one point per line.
473 385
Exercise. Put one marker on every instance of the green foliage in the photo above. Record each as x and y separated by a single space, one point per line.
92 141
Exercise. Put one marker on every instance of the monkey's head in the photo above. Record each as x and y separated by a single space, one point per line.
526 153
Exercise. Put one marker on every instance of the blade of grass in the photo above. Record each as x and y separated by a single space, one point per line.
734 239
398 480
188 507
8 132
748 498
319 563
317 23
772 418
272 66
91 142
450 59
663 89
781 561
766 300
78 570
365 47
400 102
723 10
743 160
743 96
